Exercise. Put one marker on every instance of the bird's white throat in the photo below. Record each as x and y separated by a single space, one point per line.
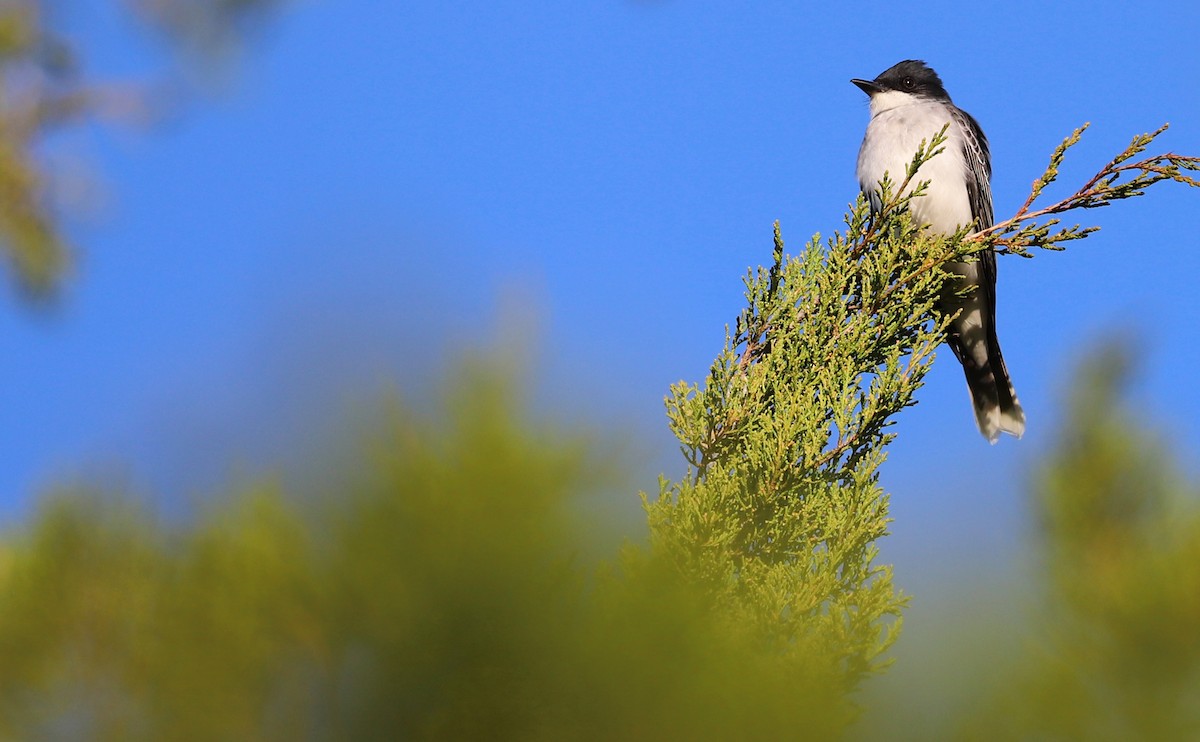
889 99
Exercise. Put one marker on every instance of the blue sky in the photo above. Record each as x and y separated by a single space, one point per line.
380 184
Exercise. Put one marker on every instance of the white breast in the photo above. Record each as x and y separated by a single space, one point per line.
898 124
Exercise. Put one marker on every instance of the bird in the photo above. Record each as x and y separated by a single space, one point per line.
908 104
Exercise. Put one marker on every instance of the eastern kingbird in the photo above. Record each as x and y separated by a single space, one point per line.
909 104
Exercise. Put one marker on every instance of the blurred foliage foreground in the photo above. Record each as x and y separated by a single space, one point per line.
441 592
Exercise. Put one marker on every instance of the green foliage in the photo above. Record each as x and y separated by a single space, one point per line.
438 591
1117 180
43 90
782 505
1114 655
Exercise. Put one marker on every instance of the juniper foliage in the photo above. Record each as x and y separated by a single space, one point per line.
781 505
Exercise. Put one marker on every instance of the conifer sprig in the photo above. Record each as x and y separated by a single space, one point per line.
1117 180
781 505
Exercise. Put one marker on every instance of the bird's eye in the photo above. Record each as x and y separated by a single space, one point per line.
908 82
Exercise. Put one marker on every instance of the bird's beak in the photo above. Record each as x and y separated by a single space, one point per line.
868 87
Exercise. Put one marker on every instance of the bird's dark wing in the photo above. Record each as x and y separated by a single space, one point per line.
979 168
979 192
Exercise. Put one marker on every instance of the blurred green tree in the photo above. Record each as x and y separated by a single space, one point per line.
442 593
43 89
1113 654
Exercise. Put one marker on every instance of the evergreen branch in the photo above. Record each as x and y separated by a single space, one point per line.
1117 180
781 504
751 327
1051 173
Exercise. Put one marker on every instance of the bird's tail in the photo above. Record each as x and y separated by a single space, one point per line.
997 409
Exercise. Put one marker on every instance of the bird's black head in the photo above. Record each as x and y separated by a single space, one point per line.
911 76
